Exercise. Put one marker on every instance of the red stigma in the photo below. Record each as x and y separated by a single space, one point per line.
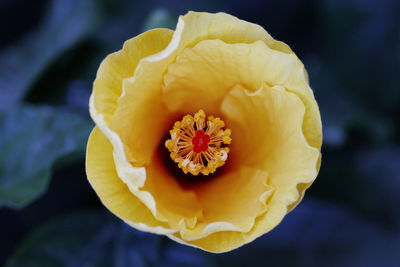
200 141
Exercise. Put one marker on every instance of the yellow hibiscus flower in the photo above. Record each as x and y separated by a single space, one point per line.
227 104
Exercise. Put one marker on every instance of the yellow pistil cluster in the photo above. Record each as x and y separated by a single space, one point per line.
198 144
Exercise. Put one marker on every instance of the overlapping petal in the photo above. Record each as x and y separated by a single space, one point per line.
230 68
115 195
107 87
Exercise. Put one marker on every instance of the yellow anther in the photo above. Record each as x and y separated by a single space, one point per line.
226 139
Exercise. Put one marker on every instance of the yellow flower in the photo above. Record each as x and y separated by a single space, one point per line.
236 73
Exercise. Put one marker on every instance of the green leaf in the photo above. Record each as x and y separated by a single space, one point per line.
66 23
160 18
31 140
91 238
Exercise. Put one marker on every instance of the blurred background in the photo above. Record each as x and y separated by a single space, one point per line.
49 54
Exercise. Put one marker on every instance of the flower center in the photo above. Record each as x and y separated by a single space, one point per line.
198 144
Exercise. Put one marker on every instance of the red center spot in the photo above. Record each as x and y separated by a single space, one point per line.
200 141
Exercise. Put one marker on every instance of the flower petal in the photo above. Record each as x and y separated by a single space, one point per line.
273 117
148 77
231 202
205 26
114 194
147 84
202 75
178 205
268 124
107 87
224 241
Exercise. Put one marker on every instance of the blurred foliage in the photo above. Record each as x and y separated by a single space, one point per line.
66 23
48 62
90 238
31 140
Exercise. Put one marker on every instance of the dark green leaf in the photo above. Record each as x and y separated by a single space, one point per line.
66 23
94 239
31 140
